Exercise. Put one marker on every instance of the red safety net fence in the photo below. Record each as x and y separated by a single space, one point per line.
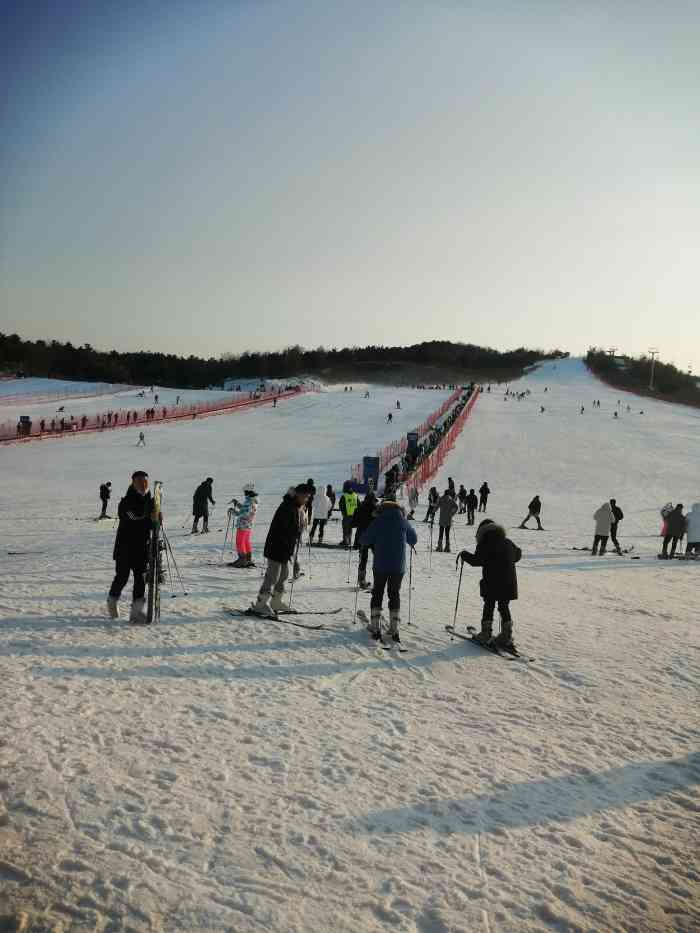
44 428
427 468
398 448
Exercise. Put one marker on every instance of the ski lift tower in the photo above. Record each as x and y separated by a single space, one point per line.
653 353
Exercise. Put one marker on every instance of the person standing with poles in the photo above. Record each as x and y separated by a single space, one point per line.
280 545
388 535
472 503
533 511
349 502
200 505
321 508
105 493
245 519
361 520
131 547
497 556
448 509
433 499
484 493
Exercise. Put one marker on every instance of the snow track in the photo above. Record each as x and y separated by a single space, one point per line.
216 773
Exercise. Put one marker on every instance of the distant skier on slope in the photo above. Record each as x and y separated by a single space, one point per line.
617 516
361 520
497 555
413 500
389 418
200 505
321 512
105 493
349 501
603 521
462 499
142 440
280 545
472 503
245 513
675 529
433 499
388 535
533 511
131 547
484 493
448 509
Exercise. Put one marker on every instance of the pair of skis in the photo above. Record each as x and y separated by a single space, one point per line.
279 616
508 654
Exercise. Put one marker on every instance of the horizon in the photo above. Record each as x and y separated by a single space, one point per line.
264 175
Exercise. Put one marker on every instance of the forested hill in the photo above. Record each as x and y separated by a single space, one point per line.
64 361
635 373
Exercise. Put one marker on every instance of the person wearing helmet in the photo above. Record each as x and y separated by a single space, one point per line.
245 512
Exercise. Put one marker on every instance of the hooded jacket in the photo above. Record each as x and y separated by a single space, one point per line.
134 528
692 520
675 523
202 495
448 508
603 519
497 555
388 535
284 531
322 505
245 512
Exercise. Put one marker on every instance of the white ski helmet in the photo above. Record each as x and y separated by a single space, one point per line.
249 488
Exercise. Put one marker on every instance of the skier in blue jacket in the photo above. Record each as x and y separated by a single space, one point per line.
388 535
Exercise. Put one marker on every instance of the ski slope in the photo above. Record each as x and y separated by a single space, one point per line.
220 773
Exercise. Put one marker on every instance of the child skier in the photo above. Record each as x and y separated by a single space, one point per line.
245 519
497 555
388 535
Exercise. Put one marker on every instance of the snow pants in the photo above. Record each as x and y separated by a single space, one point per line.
536 516
125 566
503 609
482 503
362 564
244 541
275 576
444 530
601 540
613 538
382 581
673 541
104 508
470 516
347 530
319 523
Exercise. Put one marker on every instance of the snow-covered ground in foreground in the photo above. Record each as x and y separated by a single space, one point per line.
217 773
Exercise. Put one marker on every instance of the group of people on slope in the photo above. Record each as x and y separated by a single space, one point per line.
675 525
452 502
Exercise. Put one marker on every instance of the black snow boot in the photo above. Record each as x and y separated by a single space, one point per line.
505 639
486 633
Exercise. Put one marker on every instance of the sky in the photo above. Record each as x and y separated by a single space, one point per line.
213 177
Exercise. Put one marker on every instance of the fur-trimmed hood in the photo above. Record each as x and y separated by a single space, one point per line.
489 528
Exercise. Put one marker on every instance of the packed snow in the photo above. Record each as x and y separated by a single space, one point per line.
225 773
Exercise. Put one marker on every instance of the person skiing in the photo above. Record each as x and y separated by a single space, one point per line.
617 516
389 418
533 511
142 440
245 513
413 500
349 501
200 506
665 512
388 535
361 520
497 556
310 500
105 493
675 529
131 547
280 545
321 512
330 492
433 499
472 503
448 509
692 525
484 493
462 498
398 405
451 487
603 520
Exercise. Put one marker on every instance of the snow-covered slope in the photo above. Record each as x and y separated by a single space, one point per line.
220 773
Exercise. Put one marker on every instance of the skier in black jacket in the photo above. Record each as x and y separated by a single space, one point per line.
280 545
131 546
617 516
533 511
497 555
484 493
472 503
105 493
433 499
200 505
361 520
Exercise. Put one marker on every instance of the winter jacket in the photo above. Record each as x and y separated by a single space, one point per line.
497 555
692 521
284 531
448 508
322 505
617 514
246 511
535 507
484 490
202 495
462 494
603 519
362 518
134 528
433 498
472 501
349 501
675 523
388 535
105 492
413 497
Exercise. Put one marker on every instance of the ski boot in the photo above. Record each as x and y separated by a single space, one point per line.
262 606
113 607
486 633
248 558
277 604
138 614
375 624
438 549
394 620
505 638
195 530
240 562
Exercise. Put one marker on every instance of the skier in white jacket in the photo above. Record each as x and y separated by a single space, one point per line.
245 518
692 529
603 520
321 511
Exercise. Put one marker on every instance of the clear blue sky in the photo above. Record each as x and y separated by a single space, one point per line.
221 176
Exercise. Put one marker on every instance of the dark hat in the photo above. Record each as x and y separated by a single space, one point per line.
209 479
108 483
139 473
486 521
302 489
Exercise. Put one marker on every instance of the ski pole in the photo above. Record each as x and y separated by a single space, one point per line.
223 549
430 565
410 583
459 587
309 545
294 564
357 592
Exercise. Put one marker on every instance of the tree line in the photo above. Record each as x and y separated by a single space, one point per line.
57 360
634 373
